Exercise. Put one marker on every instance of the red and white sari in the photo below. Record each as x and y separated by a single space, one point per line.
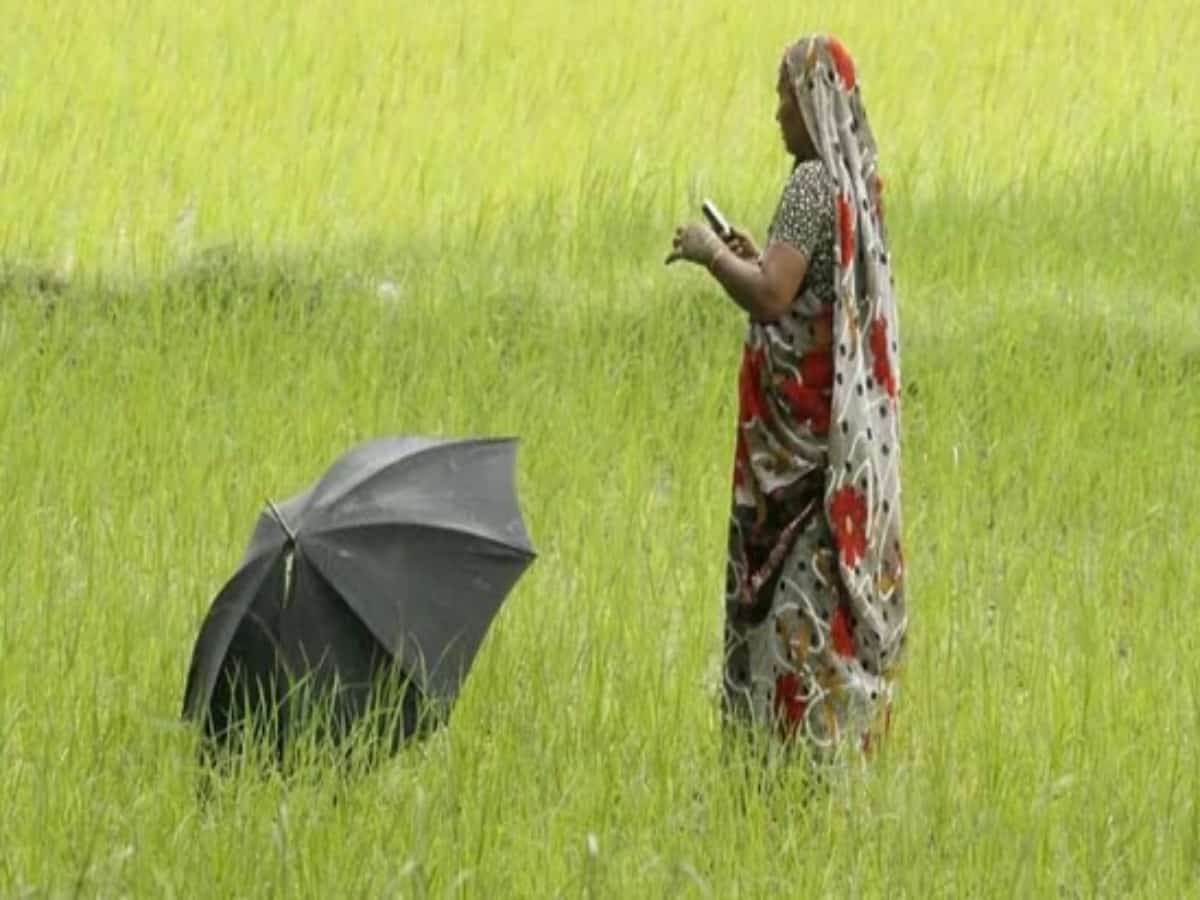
815 607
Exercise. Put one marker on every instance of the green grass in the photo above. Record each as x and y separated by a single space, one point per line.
513 176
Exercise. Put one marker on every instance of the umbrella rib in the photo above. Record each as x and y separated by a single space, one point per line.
401 651
281 521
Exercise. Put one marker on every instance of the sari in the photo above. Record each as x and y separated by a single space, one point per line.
815 605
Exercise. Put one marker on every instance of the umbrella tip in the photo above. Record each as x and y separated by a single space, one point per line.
278 516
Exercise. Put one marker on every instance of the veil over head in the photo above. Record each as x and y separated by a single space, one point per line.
862 497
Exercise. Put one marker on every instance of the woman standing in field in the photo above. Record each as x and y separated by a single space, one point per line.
815 609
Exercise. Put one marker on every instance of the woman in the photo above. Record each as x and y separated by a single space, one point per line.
815 609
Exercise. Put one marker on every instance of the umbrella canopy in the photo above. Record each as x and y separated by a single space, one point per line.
397 560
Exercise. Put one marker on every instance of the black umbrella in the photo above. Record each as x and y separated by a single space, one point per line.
391 567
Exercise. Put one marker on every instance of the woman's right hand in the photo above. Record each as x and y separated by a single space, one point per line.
742 244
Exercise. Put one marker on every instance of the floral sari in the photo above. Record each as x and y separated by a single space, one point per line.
815 607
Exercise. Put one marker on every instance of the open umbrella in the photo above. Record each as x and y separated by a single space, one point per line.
393 564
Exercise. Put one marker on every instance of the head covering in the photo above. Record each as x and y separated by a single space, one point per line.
862 498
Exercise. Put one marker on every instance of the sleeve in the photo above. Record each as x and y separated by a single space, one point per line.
805 209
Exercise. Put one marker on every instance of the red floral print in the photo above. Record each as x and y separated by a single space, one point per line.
817 369
750 395
810 405
845 229
848 510
879 350
842 62
790 704
839 632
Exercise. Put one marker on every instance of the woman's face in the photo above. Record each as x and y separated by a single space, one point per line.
791 123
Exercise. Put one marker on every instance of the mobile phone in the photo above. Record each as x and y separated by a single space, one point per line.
718 222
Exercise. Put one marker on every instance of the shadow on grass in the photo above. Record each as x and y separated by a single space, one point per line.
222 277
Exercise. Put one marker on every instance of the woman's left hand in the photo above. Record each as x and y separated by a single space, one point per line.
696 243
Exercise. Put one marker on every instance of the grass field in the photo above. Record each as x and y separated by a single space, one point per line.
237 238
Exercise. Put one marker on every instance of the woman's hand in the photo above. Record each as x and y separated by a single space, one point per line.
696 243
742 244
